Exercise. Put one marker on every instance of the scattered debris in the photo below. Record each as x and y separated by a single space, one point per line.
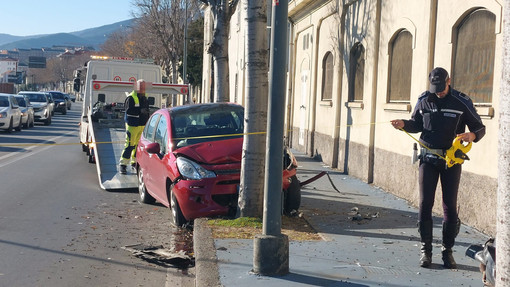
355 215
160 256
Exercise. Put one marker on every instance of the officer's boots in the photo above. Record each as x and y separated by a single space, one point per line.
450 231
425 230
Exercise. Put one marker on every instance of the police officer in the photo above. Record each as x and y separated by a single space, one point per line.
136 115
441 115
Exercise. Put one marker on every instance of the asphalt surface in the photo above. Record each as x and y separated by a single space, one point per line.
369 236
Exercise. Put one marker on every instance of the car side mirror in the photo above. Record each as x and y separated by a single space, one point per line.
153 148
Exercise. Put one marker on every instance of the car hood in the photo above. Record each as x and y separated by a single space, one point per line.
214 152
38 104
4 109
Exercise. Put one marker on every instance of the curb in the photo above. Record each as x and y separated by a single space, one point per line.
206 262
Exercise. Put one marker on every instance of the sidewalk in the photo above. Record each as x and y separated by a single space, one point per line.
377 247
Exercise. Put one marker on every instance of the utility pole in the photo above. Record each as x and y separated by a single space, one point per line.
271 248
185 56
503 214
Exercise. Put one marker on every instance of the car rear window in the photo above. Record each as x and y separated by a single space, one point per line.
4 102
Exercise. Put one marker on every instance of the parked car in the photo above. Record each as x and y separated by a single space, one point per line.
41 104
27 110
62 101
189 159
10 113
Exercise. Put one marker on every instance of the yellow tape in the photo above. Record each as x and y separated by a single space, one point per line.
423 145
197 137
47 144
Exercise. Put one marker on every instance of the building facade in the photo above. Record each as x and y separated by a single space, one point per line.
8 67
356 65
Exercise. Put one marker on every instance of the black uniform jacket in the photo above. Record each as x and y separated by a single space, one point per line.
136 115
440 120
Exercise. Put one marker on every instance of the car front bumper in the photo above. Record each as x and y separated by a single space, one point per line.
41 114
207 197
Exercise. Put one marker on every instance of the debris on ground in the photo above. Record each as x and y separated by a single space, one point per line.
161 256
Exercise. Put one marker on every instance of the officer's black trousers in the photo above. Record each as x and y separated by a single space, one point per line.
450 178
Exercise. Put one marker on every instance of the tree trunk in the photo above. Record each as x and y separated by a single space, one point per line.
219 49
251 197
503 224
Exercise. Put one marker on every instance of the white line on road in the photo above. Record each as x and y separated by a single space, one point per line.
32 149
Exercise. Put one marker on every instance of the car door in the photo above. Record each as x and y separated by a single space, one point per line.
157 162
16 112
142 156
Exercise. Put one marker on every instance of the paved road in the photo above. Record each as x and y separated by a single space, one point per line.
58 228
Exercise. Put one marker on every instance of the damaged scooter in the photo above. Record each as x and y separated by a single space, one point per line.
486 255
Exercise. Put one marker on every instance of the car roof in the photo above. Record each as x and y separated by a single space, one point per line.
204 106
30 92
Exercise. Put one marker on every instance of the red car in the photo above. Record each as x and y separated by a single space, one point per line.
189 159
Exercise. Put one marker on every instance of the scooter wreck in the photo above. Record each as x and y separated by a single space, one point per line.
486 255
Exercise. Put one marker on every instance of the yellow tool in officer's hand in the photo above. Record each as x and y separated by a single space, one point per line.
457 153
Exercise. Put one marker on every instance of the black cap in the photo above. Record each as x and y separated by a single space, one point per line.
437 79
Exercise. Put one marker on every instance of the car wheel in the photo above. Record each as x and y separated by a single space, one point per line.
292 196
31 123
91 156
47 122
64 112
177 216
20 125
27 124
145 197
9 128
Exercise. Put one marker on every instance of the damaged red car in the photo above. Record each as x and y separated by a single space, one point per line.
189 159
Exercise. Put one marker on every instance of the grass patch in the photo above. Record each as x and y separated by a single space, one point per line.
238 222
296 228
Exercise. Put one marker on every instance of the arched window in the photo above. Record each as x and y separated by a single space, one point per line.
473 68
401 63
356 73
327 77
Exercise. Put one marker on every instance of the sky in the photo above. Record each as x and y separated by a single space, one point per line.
34 17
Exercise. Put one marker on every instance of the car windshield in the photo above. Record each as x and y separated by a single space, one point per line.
58 96
4 102
209 123
21 101
36 97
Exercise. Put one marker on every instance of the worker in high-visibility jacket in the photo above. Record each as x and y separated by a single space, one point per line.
136 115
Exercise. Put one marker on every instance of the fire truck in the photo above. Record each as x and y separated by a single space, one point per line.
107 82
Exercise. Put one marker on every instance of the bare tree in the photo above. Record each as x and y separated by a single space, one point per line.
119 44
159 31
222 11
251 197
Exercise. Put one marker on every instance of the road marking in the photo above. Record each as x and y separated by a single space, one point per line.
31 150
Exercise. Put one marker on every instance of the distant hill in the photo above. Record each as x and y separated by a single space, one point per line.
6 38
90 37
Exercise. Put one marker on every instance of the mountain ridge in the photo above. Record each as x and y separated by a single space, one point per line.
91 37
